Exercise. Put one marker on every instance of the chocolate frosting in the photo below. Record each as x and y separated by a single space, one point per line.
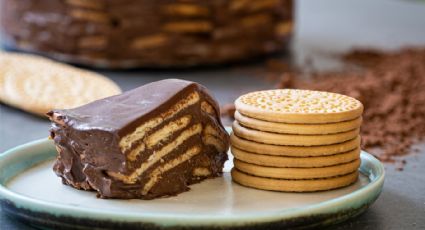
126 110
91 155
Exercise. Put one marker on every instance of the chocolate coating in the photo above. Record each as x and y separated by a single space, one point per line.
147 33
93 154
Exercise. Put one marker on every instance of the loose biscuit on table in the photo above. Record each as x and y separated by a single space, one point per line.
297 151
297 173
288 128
295 162
283 185
299 106
38 85
292 139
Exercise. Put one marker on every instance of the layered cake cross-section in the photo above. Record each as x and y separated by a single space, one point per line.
147 33
149 142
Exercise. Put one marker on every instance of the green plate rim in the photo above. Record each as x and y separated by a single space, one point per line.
370 167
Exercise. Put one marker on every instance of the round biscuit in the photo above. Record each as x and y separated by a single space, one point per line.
299 106
292 139
282 185
287 128
38 85
295 162
297 173
295 151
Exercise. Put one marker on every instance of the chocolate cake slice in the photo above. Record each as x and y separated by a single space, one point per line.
149 142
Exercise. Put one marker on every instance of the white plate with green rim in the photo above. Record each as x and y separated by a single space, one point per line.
31 192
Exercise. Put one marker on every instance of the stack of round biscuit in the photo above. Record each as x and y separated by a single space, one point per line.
296 140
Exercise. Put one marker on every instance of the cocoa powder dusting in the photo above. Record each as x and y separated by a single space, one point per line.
392 88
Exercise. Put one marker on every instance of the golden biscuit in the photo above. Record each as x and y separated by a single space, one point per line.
295 162
287 128
38 85
283 185
299 106
292 139
297 173
295 151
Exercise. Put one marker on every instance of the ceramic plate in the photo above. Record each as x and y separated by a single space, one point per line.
31 192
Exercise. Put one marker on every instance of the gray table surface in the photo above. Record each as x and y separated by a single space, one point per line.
323 26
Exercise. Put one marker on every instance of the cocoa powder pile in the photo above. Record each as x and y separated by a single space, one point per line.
392 88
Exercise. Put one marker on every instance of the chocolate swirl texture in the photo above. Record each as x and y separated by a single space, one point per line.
149 142
147 33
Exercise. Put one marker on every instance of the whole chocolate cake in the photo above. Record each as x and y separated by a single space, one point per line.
149 142
150 33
